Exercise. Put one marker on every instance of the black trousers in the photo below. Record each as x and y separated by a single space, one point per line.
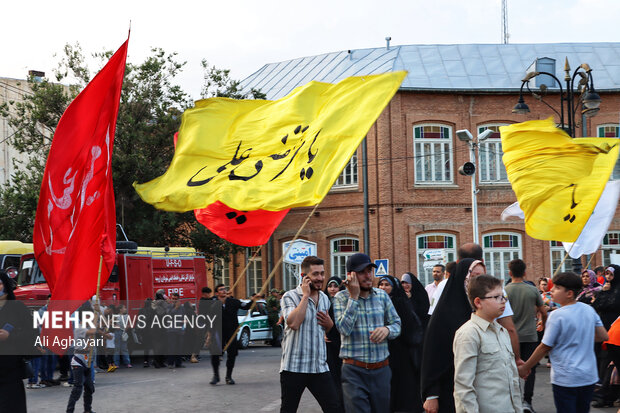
528 389
231 356
81 378
12 396
321 385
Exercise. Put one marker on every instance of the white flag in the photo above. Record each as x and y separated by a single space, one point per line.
595 229
513 210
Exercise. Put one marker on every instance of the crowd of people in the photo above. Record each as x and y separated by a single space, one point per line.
459 344
376 344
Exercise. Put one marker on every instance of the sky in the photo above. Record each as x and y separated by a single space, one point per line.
244 35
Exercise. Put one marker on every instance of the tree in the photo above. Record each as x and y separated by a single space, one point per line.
149 115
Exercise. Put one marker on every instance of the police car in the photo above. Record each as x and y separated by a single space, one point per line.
254 327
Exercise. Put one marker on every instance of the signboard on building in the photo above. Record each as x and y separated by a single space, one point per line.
298 251
433 257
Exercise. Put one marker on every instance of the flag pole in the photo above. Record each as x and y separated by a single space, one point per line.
90 354
590 260
266 283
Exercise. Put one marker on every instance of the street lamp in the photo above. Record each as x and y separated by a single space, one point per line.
469 169
587 104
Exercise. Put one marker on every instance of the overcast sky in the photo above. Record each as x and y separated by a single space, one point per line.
244 35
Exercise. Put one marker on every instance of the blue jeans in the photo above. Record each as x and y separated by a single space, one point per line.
120 349
572 399
36 366
366 391
48 366
82 379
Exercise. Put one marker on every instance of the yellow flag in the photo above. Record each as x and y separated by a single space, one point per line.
558 180
270 155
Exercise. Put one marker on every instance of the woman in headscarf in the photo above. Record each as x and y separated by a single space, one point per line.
590 287
332 337
405 350
15 333
452 311
607 300
418 296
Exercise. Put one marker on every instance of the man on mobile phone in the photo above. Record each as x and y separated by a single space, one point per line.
366 319
304 354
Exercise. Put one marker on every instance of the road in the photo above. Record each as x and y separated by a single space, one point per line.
152 390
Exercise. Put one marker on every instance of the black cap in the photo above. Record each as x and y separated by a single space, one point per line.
357 262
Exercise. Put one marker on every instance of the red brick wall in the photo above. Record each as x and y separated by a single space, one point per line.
391 185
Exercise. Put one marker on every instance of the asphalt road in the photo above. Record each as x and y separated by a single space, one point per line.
152 390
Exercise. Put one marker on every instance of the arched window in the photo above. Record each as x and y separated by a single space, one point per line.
611 245
425 242
499 249
610 130
348 176
557 255
432 153
491 167
254 277
341 249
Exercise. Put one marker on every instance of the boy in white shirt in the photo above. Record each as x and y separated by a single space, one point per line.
569 336
486 379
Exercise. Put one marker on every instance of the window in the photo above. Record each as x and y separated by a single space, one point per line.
291 273
611 245
611 131
491 166
254 276
342 248
433 242
348 176
221 272
557 255
499 249
432 146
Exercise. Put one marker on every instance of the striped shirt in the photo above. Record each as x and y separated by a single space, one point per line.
356 319
303 350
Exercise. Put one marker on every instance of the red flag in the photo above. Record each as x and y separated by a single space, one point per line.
247 228
76 219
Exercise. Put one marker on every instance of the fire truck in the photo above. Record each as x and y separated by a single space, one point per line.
137 274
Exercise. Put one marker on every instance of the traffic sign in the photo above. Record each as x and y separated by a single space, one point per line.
383 267
428 264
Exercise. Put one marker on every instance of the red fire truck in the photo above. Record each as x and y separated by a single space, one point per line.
138 273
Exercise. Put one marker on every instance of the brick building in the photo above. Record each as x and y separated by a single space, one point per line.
417 200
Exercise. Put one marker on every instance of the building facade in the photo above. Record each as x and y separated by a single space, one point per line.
417 200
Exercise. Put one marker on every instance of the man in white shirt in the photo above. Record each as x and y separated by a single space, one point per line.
438 275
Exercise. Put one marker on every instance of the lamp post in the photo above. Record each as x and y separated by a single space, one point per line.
587 103
469 169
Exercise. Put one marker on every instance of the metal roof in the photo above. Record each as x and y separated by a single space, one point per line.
458 67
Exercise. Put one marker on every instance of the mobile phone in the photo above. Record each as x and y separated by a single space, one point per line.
8 327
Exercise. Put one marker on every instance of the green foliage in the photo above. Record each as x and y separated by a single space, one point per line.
149 114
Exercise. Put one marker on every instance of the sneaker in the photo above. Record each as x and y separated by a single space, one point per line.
146 365
66 384
29 385
111 368
129 366
527 407
194 359
37 386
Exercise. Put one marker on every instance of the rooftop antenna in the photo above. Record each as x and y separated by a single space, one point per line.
504 22
387 40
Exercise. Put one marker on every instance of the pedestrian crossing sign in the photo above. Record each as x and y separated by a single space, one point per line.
383 267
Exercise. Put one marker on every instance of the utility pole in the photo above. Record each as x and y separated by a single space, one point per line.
504 22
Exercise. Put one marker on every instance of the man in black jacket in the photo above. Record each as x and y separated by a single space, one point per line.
230 307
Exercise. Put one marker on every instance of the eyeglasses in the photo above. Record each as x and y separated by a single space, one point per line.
499 298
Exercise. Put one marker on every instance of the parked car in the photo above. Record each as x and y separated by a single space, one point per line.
255 327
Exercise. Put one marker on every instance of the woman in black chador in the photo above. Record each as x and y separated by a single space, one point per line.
405 350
